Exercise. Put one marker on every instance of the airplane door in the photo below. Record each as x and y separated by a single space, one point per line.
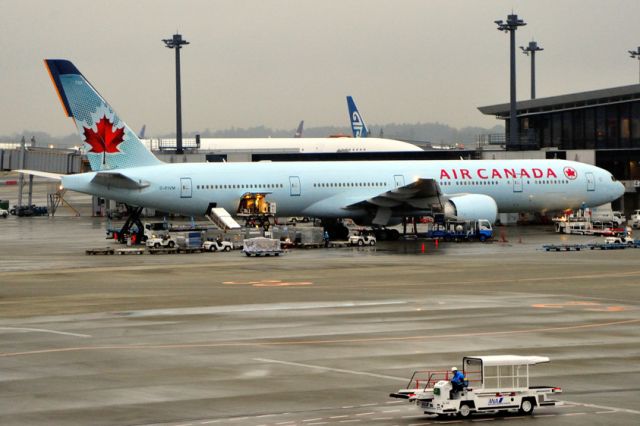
591 181
399 180
294 182
185 187
517 185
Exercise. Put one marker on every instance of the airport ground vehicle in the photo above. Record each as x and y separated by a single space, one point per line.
493 383
620 240
162 241
4 213
261 246
31 210
634 220
217 245
461 230
362 238
303 219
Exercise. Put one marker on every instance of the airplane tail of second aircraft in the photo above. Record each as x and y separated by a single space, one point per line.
358 127
108 142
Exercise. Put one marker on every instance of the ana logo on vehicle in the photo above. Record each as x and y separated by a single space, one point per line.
570 173
496 401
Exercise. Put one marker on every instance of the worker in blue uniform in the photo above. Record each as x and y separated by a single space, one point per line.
457 380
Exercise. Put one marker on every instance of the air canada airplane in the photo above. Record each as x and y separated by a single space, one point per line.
369 192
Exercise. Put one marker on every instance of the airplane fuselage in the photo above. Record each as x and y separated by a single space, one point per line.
323 189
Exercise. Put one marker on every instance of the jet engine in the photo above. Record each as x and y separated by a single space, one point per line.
471 207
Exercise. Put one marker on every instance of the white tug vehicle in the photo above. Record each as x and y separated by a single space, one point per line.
492 384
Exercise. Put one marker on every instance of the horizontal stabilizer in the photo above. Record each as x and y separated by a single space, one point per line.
54 176
118 180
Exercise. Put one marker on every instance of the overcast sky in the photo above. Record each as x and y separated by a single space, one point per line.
275 62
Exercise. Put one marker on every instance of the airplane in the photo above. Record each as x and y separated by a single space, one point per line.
298 133
377 193
358 127
297 145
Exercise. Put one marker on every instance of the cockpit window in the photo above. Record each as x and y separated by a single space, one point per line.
613 178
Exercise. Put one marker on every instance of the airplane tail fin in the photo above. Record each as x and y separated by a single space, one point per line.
108 142
299 130
358 127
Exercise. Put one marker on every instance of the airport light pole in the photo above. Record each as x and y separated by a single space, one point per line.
511 26
635 54
532 48
176 43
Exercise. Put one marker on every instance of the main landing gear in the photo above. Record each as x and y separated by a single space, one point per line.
133 218
384 234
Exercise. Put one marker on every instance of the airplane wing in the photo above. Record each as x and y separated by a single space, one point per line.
419 194
119 180
54 176
423 194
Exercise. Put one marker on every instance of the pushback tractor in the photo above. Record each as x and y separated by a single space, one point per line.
494 383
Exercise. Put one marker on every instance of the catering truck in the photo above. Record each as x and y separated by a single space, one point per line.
493 383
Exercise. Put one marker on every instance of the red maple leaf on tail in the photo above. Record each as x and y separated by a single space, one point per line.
105 140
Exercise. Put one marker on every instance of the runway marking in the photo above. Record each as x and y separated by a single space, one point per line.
43 330
350 421
269 283
365 414
604 407
336 370
338 417
312 420
586 306
321 342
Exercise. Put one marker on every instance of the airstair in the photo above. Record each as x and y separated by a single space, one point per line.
222 219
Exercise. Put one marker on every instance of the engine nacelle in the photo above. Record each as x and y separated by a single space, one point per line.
471 207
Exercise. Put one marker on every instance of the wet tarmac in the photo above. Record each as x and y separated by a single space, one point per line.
314 337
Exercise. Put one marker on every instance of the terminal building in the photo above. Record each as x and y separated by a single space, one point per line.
600 127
